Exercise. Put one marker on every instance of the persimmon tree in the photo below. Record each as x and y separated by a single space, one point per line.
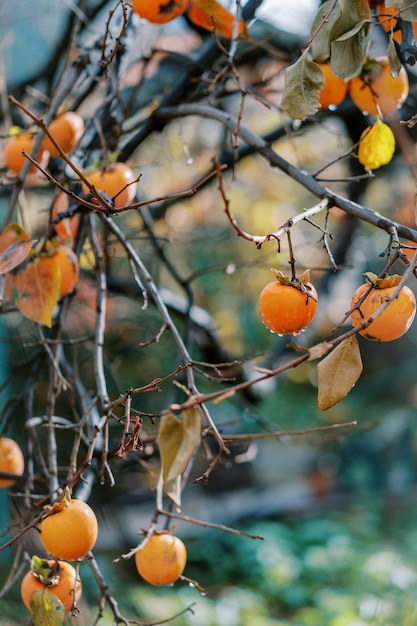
139 133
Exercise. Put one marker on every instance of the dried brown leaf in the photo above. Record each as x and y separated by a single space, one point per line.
338 373
177 439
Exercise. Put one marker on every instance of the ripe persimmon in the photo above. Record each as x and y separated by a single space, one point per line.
159 11
162 559
395 320
375 91
66 129
58 577
69 529
16 143
69 267
67 227
11 460
287 307
117 181
334 89
388 19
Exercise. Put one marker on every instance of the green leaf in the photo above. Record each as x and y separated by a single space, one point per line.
177 440
304 81
350 38
323 23
47 609
338 373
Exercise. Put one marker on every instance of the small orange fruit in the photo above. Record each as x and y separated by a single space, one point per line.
13 157
70 530
69 266
67 227
11 460
375 91
334 89
58 577
117 181
388 17
162 559
159 11
287 307
395 320
66 129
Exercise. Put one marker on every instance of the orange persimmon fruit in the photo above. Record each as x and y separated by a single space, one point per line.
375 91
159 11
58 577
69 266
13 156
162 559
11 460
69 529
67 128
117 181
67 227
287 307
334 89
395 320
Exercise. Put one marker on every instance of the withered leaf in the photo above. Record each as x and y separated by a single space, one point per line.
177 440
304 81
338 373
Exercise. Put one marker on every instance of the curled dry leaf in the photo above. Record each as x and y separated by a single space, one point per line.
338 373
318 351
177 440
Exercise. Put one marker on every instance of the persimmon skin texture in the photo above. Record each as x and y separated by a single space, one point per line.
162 559
11 460
70 533
159 11
14 158
64 590
285 309
394 322
66 129
384 91
70 269
334 89
111 181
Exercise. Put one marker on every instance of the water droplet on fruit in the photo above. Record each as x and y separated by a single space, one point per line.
191 584
296 334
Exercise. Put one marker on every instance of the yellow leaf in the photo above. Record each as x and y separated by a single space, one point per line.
35 288
376 146
177 440
338 372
